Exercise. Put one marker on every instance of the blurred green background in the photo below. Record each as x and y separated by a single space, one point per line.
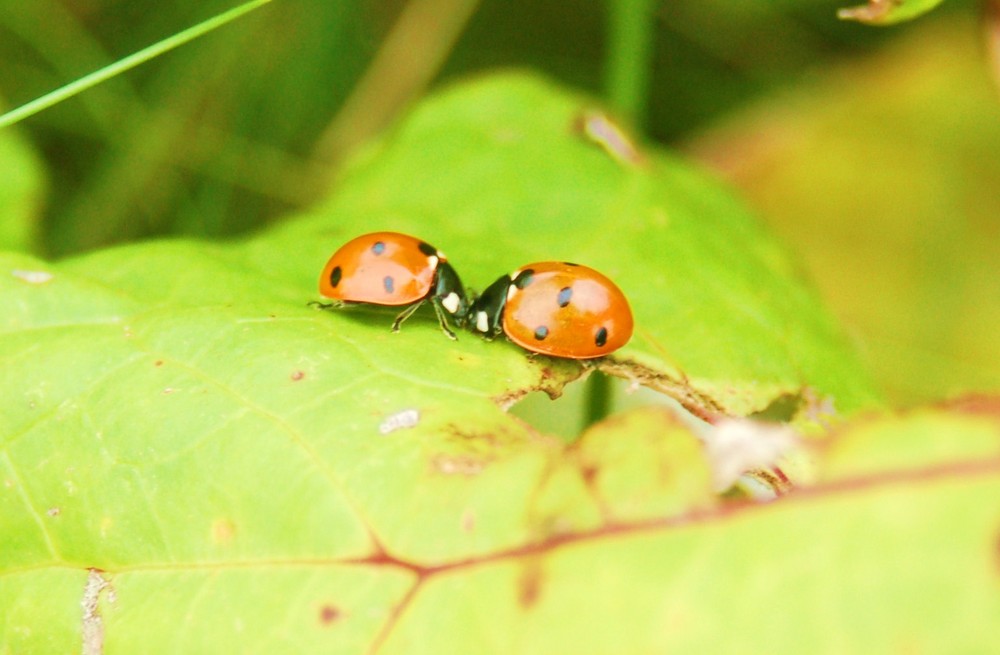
871 151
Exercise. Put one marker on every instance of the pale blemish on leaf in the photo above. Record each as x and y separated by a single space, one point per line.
406 418
93 625
599 128
458 465
105 526
32 277
735 446
223 531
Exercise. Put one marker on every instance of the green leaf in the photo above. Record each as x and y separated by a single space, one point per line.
500 166
888 12
856 563
205 462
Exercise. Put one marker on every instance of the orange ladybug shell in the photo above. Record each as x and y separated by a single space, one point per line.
566 310
381 268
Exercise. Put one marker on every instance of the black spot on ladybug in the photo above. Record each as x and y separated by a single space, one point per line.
602 337
564 295
524 278
570 264
378 248
335 276
541 332
388 283
427 249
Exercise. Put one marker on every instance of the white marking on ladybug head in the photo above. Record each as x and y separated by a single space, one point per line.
432 261
511 290
482 322
450 302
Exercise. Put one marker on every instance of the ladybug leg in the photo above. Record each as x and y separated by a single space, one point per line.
325 305
405 314
443 319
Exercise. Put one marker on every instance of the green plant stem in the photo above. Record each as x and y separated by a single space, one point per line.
598 398
627 72
126 63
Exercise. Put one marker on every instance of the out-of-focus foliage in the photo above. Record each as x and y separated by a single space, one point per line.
884 176
218 137
21 190
211 139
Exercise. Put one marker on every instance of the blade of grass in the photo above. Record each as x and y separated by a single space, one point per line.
126 63
407 61
66 47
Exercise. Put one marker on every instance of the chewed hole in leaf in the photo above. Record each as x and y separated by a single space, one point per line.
569 414
739 451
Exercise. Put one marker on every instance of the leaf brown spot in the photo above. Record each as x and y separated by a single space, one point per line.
458 465
297 375
996 551
529 585
329 614
223 531
158 362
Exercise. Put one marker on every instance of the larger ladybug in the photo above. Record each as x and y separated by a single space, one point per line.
555 308
389 268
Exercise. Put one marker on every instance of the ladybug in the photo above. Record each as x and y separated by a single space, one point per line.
389 268
555 308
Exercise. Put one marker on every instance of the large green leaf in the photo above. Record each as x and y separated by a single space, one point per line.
205 463
497 175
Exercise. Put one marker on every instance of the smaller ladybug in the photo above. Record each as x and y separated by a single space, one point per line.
389 268
555 308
